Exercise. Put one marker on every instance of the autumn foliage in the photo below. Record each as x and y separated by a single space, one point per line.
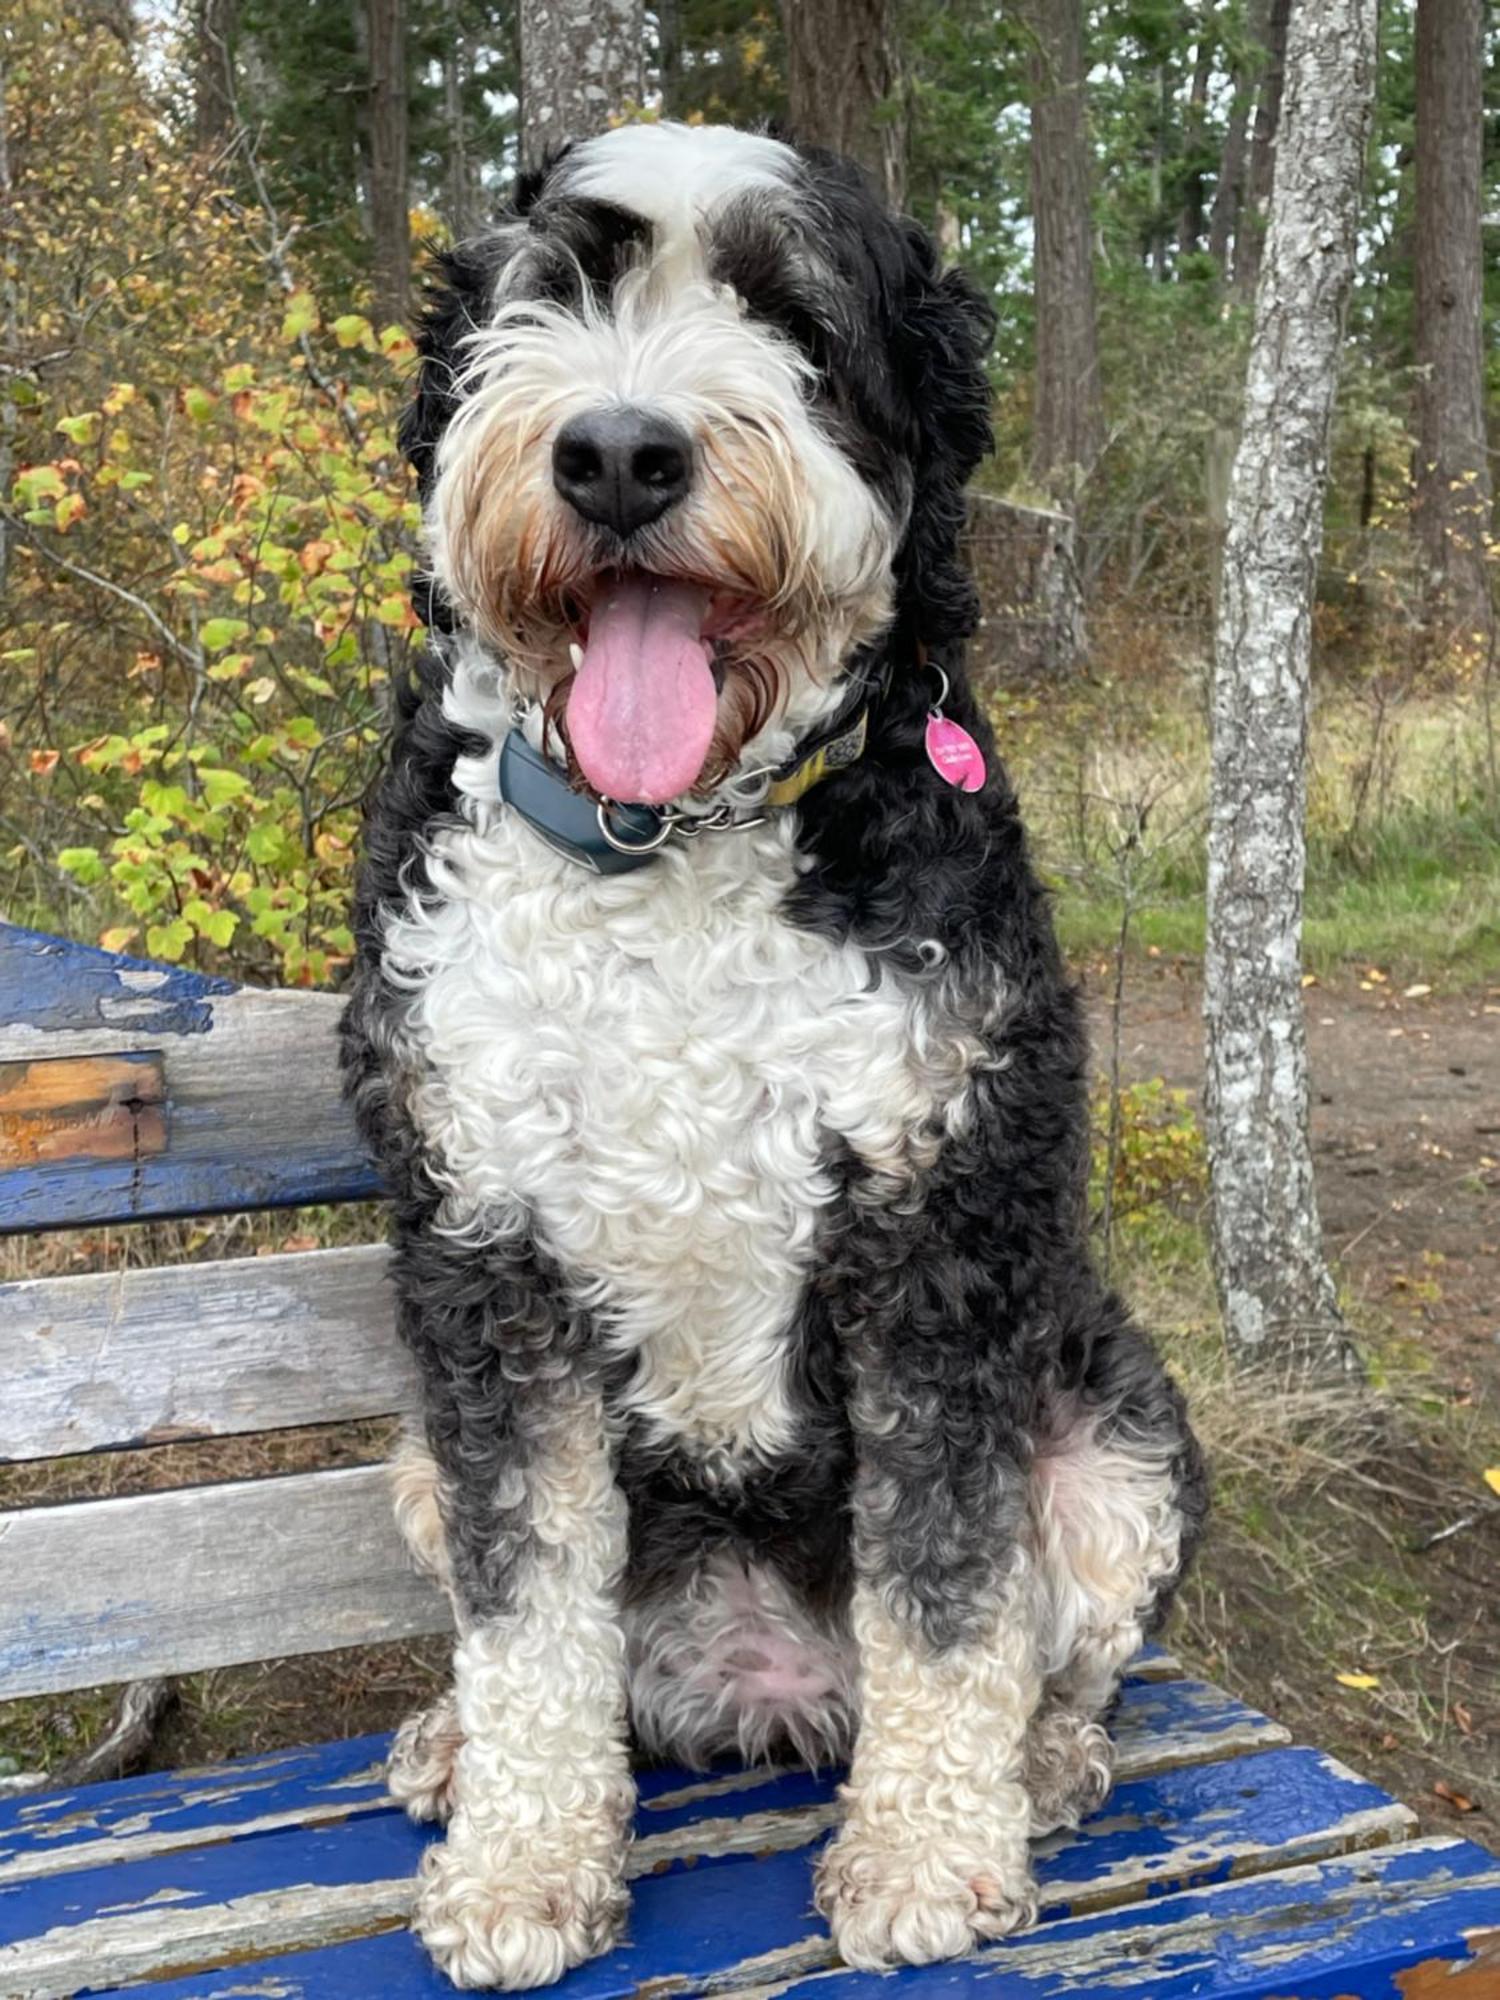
208 535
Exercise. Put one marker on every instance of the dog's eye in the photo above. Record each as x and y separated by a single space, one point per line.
593 240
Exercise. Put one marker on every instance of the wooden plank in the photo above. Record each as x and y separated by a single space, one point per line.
1155 1728
82 1108
160 1583
213 1905
1354 1926
136 1357
253 1114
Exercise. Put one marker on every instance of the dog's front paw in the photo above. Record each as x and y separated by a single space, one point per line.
493 1914
1069 1769
423 1760
894 1901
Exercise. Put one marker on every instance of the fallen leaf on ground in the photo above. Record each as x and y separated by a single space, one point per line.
1492 1478
1415 992
1463 1718
1359 1681
1460 1801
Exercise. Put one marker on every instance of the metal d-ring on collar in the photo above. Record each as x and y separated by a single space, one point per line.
687 826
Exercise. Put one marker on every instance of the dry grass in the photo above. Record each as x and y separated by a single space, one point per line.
1320 1561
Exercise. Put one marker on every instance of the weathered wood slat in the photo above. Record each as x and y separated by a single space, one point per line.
161 1583
138 1357
307 1887
247 1111
1354 1926
1156 1728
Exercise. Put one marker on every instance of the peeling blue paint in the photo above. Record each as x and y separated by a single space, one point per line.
50 983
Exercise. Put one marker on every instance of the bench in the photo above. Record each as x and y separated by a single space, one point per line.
1227 1861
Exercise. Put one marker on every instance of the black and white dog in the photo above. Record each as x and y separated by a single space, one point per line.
711 1031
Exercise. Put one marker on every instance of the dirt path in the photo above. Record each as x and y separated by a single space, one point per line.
1406 1130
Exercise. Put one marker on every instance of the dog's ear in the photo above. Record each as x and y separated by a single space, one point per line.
457 298
943 331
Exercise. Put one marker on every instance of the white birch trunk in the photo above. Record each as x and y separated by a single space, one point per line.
1275 1287
582 67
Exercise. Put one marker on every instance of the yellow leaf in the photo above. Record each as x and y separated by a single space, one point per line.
1492 1478
1359 1681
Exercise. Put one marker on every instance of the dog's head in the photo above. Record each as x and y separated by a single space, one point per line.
692 427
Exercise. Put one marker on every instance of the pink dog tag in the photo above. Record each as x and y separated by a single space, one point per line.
953 753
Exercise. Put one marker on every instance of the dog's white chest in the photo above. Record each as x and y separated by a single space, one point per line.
651 1071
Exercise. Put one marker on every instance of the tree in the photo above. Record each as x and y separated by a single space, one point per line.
215 26
581 67
1249 237
1068 424
1275 1287
390 230
1453 492
845 86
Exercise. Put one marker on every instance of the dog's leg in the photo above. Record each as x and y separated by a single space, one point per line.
424 1754
1117 1499
933 1852
531 1760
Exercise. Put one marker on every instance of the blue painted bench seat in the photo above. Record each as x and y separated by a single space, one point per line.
1226 1862
1263 1869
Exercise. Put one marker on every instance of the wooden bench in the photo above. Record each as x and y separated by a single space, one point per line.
1226 1862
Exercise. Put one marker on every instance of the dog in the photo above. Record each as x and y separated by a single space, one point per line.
730 1091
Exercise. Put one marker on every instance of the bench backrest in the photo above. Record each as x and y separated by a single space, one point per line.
131 1091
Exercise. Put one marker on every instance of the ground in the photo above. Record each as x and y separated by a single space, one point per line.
1406 1133
1337 1570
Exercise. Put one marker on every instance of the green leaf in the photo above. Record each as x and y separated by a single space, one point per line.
221 787
82 863
218 926
39 482
301 316
82 429
217 633
353 330
169 941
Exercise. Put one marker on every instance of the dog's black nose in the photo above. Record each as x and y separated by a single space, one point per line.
622 468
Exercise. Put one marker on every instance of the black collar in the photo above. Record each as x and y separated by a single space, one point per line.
614 839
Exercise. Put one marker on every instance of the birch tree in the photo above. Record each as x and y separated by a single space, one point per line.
581 67
1275 1287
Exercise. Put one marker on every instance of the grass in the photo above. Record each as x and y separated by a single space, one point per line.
1315 1564
1403 860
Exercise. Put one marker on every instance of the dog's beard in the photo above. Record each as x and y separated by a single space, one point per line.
532 577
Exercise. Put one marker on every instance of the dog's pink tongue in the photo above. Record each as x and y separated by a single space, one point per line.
642 709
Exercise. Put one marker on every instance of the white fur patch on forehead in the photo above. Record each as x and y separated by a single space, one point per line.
674 175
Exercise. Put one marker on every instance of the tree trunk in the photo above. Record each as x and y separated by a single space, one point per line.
582 68
1190 222
1068 427
1453 492
458 175
213 71
1274 1283
844 84
669 56
1229 190
385 27
1250 237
